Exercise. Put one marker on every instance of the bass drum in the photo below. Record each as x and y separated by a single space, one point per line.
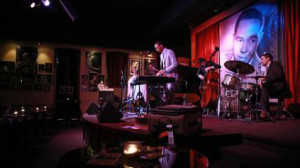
248 96
234 105
230 93
247 86
228 104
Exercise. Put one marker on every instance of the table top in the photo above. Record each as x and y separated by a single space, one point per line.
170 158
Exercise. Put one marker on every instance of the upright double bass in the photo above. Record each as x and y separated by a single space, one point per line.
211 82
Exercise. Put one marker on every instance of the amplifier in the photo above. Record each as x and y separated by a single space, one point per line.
106 96
186 120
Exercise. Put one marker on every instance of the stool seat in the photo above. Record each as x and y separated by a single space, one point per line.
279 101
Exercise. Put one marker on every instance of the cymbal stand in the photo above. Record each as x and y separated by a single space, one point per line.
226 107
238 95
123 91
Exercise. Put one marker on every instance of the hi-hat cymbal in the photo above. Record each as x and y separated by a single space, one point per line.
239 67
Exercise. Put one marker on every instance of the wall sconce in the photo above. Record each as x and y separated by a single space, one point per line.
37 109
22 109
45 108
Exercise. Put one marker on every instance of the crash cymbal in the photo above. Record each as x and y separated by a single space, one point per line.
239 67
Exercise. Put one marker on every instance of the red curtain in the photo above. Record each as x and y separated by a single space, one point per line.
292 61
115 62
206 41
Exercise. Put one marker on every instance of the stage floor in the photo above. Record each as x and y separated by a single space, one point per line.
282 132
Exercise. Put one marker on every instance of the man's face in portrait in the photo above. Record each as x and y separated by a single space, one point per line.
246 39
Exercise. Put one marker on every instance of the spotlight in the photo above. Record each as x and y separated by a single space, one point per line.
46 2
37 3
32 5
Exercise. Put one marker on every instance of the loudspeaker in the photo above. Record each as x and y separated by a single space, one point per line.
93 108
294 108
109 113
107 96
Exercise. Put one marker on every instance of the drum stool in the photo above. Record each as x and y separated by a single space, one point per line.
278 101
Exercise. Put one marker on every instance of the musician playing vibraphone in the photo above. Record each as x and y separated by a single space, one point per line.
168 65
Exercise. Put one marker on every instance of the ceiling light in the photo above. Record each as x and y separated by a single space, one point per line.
46 2
36 3
32 5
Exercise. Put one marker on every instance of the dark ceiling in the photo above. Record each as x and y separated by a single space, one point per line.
133 24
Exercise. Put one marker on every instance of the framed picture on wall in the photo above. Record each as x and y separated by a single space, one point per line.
7 66
41 68
134 64
84 83
93 82
150 67
264 37
48 67
93 62
26 59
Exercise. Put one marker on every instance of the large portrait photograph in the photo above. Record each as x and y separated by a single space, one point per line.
93 62
26 60
247 34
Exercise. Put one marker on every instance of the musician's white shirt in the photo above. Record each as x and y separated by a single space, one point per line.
168 61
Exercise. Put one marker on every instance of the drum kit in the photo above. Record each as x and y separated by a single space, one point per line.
240 98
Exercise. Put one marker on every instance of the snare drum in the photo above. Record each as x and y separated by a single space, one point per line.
230 81
248 86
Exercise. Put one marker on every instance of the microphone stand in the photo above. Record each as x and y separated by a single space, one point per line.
139 94
123 90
